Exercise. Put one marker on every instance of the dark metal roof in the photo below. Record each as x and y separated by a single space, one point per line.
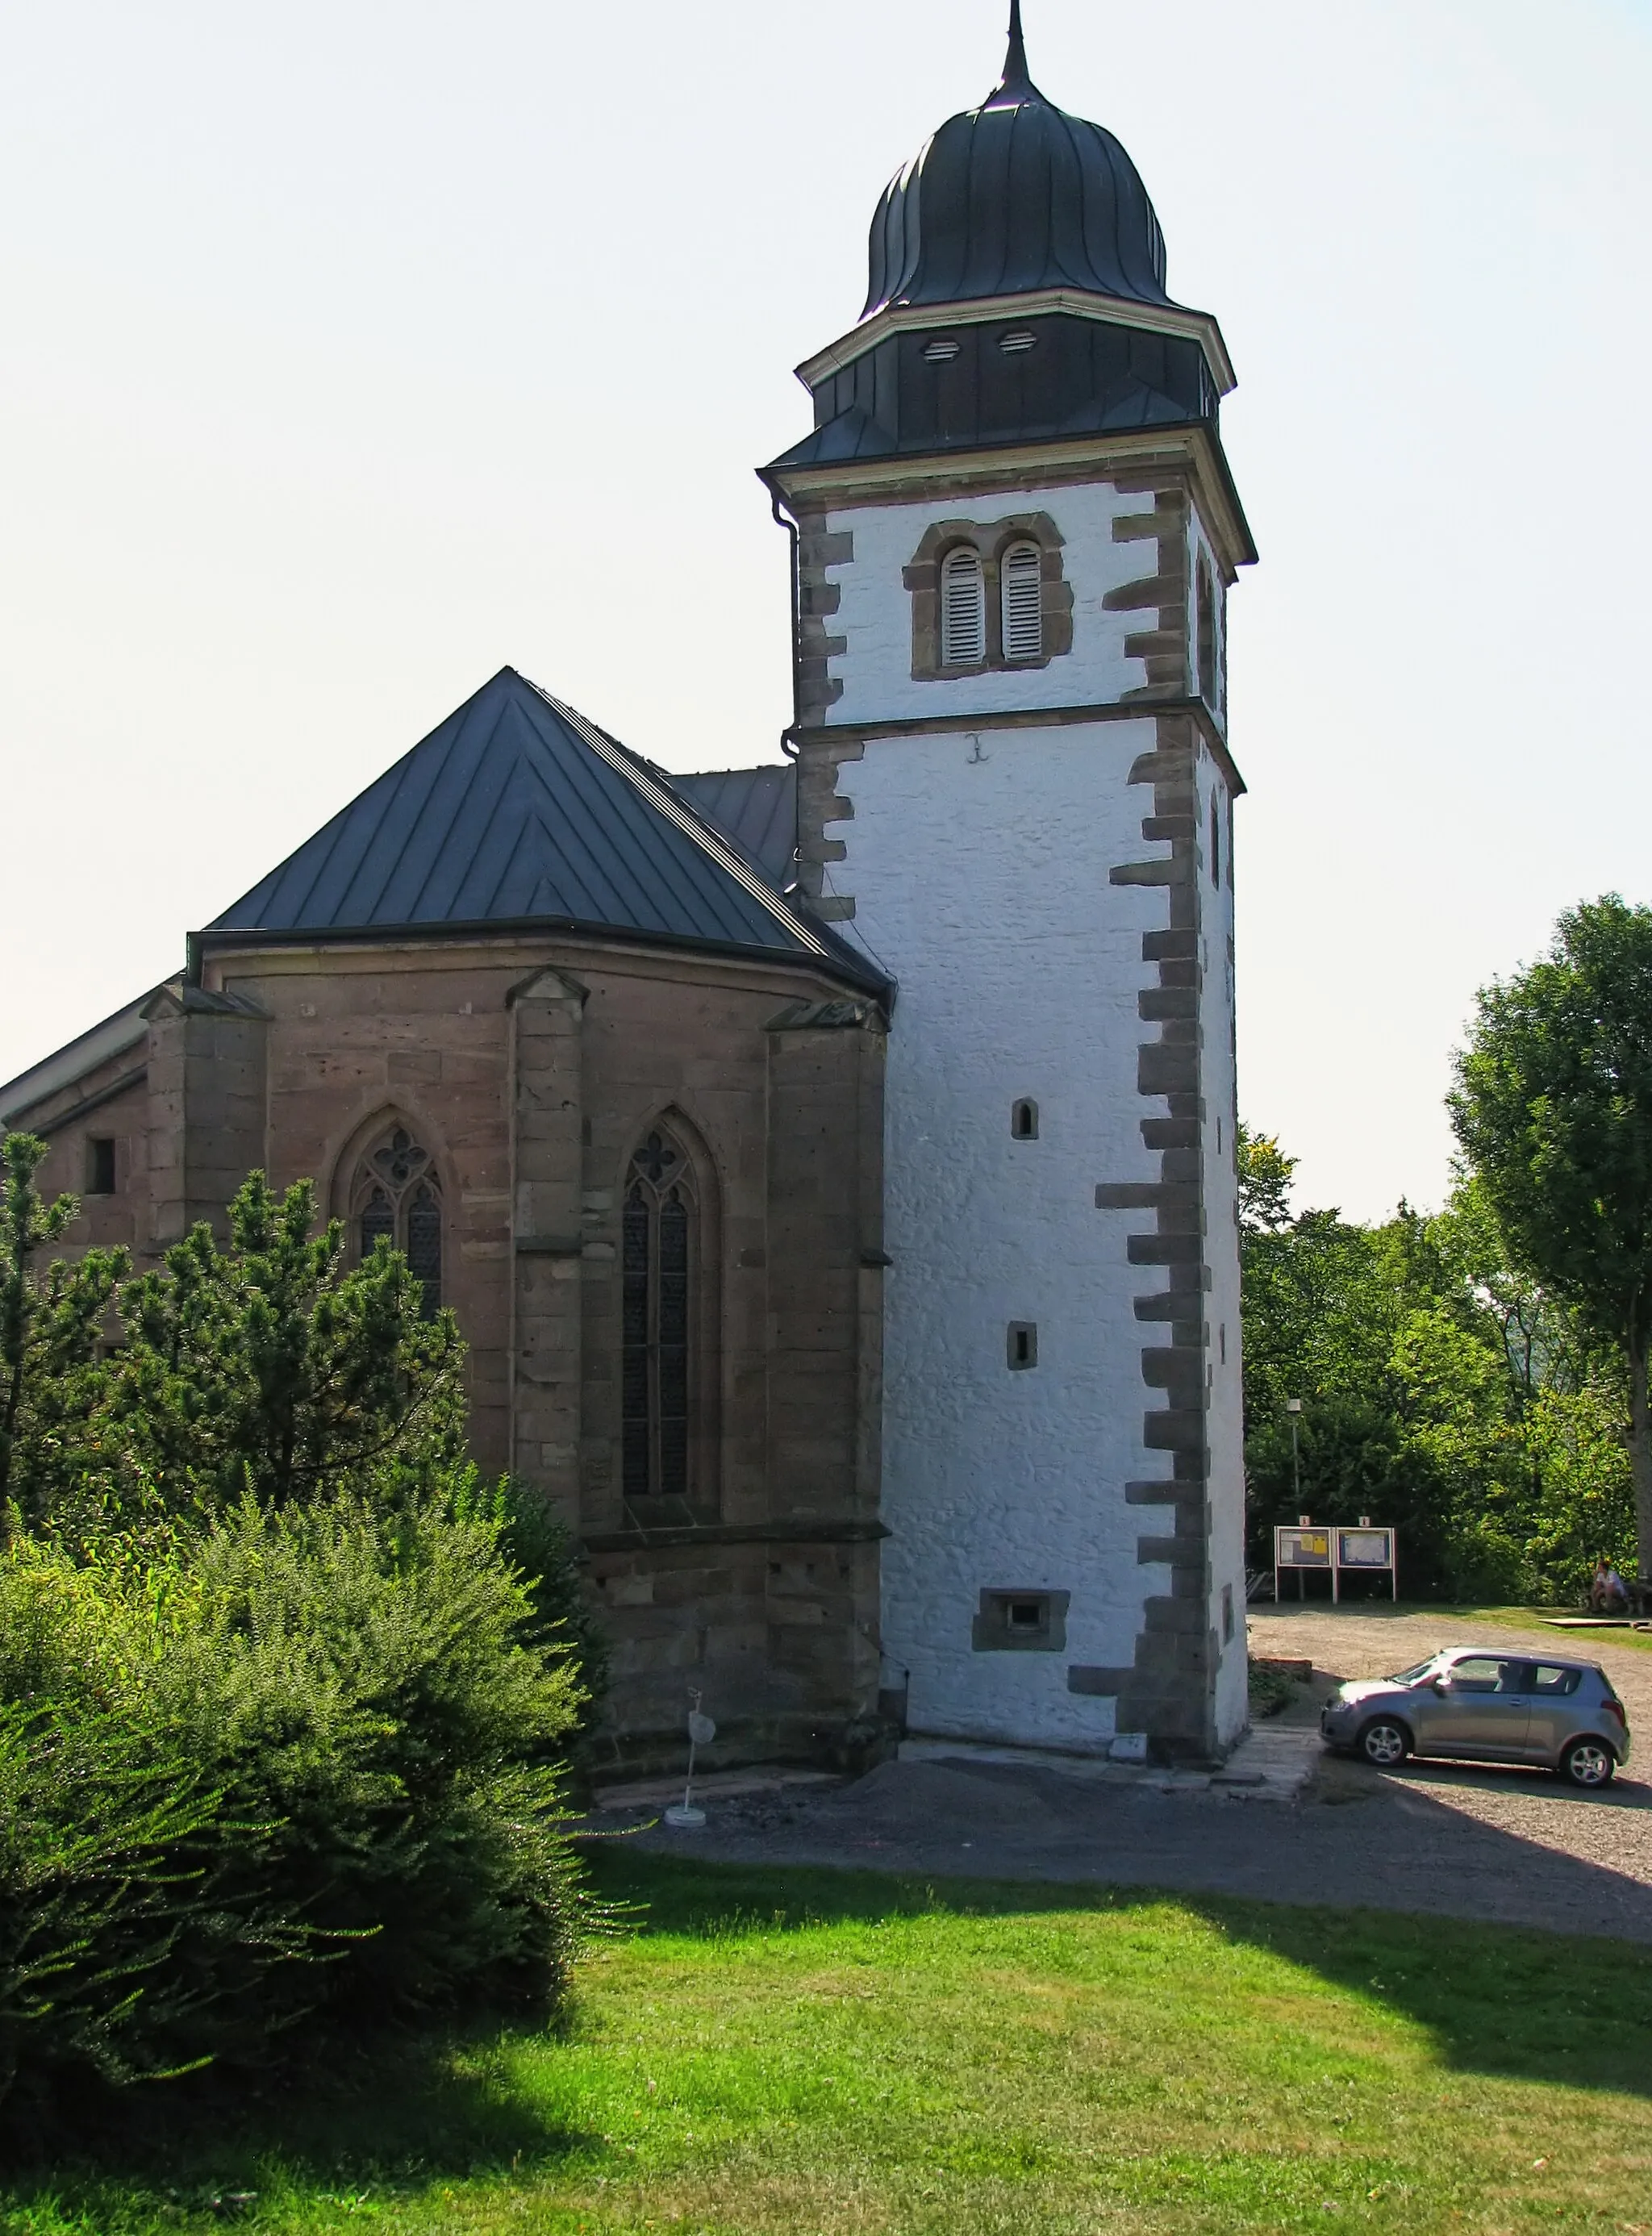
1065 376
755 807
1013 197
518 810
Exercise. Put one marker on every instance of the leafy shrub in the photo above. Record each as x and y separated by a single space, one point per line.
374 1717
126 1952
546 1554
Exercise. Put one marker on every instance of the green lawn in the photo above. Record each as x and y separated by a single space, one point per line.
1581 1641
839 2054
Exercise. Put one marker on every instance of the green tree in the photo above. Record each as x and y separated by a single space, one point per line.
274 1368
1553 1108
52 1320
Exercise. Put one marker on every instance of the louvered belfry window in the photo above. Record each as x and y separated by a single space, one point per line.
1023 603
659 1245
397 1199
964 614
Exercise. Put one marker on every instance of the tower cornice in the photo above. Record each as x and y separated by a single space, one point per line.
1192 450
1105 310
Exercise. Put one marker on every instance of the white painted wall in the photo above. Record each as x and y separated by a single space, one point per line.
983 884
978 862
875 615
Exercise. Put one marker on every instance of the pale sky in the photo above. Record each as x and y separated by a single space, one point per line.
352 351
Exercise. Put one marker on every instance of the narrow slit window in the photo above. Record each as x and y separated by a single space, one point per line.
100 1166
964 632
1023 1345
1205 598
1215 839
1024 1121
1023 603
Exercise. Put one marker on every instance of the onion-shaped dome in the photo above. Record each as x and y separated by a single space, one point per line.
1013 197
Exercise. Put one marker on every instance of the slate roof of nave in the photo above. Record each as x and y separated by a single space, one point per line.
518 810
757 808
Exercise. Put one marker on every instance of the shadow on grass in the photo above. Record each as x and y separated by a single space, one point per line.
1496 1999
393 2118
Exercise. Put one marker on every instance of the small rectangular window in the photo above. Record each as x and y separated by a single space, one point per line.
100 1165
1024 1121
1021 1622
1021 1347
1228 1612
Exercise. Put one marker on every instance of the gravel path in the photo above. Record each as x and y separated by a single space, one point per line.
1510 1845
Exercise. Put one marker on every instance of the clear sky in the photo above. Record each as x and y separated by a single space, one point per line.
353 350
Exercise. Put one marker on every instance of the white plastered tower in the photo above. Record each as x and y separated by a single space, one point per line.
1023 810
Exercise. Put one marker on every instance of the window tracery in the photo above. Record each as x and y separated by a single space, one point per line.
397 1199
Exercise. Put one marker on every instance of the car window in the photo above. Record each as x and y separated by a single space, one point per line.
1413 1676
1551 1681
1479 1673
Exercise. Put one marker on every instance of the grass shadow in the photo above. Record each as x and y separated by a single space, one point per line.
389 2117
1503 1999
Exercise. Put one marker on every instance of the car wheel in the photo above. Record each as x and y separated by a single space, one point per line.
1385 1744
1587 1763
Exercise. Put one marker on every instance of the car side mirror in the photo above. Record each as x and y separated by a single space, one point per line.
1442 1684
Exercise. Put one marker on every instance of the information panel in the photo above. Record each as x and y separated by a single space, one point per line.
1302 1549
1363 1550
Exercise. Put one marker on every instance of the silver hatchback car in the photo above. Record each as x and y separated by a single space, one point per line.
1483 1704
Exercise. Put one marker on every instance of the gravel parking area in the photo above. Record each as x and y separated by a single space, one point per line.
1501 1845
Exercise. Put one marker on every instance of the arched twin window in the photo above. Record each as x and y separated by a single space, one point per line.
964 606
660 1255
397 1199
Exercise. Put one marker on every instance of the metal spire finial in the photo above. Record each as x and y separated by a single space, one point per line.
1014 62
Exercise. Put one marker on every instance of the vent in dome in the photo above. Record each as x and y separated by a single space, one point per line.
940 352
1014 344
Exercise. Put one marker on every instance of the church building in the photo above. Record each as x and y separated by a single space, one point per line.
830 1164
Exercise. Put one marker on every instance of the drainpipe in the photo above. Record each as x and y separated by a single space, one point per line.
788 736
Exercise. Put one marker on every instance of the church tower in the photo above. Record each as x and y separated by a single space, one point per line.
1013 531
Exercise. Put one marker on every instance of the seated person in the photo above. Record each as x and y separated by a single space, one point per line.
1608 1593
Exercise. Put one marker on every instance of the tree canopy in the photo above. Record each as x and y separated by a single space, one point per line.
1553 1109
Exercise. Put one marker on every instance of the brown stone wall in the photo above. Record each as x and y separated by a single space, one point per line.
531 1078
530 1073
207 1053
111 1103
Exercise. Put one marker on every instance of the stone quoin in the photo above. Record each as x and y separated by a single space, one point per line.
831 1164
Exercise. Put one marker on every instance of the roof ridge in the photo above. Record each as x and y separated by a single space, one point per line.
668 802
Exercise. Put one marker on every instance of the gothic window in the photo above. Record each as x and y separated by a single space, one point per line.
964 618
1024 608
660 1247
398 1198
